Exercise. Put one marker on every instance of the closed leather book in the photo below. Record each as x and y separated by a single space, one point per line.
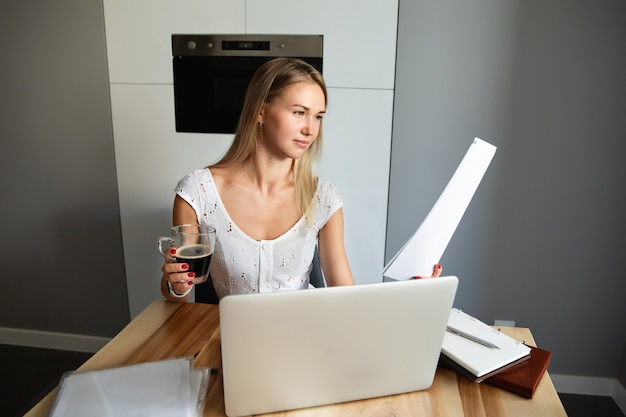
523 378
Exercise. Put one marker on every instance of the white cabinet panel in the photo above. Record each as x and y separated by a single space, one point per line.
138 33
150 158
356 155
359 36
359 65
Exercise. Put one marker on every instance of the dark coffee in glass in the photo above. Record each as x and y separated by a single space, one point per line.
198 257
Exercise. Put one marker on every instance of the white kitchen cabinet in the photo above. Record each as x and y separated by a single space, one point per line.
138 33
359 66
356 156
359 36
150 158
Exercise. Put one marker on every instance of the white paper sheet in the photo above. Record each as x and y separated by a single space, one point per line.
425 248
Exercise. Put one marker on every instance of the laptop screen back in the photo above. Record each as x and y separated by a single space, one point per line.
296 349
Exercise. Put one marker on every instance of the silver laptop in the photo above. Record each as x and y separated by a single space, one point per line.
288 350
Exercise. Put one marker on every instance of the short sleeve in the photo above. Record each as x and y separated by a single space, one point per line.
327 201
196 189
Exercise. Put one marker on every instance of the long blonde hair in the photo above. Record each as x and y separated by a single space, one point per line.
268 82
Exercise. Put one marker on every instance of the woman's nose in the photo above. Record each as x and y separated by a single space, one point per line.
308 129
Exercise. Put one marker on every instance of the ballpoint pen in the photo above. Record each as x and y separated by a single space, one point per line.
471 337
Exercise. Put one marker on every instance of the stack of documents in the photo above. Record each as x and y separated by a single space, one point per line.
477 350
424 249
169 388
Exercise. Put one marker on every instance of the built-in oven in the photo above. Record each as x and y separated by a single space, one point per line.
212 72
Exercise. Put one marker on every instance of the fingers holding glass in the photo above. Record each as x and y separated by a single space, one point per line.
191 246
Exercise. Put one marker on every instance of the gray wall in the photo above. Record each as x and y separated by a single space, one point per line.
61 250
622 375
542 241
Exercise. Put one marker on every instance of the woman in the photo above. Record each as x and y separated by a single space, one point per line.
262 197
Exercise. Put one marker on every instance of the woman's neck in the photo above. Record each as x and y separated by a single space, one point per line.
267 173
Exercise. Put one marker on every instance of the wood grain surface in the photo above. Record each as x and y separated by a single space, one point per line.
168 330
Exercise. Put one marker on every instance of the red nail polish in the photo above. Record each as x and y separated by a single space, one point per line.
173 251
185 266
416 277
438 266
190 283
191 274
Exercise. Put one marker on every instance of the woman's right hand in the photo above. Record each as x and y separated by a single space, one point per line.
176 274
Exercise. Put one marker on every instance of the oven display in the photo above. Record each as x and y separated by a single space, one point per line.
245 46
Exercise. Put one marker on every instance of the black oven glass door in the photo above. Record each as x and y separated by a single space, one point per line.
209 90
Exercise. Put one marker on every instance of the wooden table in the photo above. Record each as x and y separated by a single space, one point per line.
167 330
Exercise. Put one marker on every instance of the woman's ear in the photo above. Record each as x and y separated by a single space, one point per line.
261 114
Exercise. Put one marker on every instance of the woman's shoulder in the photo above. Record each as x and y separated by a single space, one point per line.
326 188
197 176
194 182
326 202
222 174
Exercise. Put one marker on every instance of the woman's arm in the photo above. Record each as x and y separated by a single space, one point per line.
333 258
176 273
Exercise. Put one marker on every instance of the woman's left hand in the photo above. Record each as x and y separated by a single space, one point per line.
436 272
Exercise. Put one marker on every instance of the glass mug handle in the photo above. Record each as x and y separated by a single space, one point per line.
163 239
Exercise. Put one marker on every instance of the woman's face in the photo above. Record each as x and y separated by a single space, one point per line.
291 122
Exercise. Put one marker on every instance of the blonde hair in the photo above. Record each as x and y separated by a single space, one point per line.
269 81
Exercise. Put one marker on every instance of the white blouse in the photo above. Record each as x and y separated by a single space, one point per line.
241 264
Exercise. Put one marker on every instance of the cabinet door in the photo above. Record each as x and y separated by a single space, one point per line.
356 155
138 33
150 159
359 35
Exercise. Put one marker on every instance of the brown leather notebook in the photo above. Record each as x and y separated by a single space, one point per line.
523 378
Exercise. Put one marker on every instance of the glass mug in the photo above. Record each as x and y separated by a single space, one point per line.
194 245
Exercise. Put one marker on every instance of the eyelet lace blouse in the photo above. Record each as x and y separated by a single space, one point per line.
241 264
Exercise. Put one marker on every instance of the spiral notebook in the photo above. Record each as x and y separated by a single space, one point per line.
474 360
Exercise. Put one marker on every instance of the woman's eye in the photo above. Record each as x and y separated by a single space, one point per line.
298 113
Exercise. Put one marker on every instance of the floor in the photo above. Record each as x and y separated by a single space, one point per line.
28 374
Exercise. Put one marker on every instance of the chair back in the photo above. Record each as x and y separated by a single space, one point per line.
316 277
